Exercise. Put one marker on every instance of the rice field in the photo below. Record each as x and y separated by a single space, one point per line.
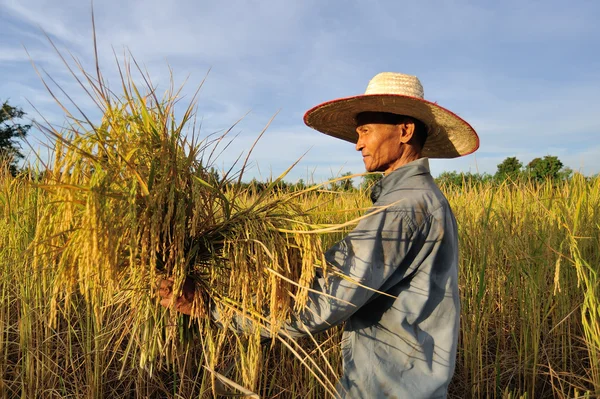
530 309
132 198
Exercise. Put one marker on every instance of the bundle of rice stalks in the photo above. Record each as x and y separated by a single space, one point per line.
135 198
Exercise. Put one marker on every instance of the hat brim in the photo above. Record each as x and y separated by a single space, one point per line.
449 136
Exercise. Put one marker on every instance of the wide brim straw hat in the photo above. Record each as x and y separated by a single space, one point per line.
448 136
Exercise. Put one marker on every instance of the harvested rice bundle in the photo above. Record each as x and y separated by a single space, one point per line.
134 198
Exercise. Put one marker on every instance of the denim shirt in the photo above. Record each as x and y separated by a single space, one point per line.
402 318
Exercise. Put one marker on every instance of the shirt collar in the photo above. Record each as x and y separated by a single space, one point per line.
397 176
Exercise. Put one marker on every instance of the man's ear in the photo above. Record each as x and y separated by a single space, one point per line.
407 130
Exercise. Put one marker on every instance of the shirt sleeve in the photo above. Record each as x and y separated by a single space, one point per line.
361 264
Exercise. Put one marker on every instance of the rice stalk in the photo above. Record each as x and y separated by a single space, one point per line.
132 199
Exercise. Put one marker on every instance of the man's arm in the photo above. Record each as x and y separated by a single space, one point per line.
361 263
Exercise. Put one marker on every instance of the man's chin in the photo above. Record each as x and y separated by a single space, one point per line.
370 169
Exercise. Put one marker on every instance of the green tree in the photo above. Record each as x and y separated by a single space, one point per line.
510 168
347 184
565 173
548 167
10 131
461 179
299 185
450 179
342 185
369 180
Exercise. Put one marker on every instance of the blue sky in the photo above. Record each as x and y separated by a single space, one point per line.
525 74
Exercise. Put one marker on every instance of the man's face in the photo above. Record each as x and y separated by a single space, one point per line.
380 143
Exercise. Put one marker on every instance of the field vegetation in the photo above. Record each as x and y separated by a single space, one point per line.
134 197
529 291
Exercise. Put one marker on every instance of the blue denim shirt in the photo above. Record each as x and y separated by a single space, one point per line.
399 342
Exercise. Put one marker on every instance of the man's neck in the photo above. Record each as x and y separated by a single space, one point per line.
409 155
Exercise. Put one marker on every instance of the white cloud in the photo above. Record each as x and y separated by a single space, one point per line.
56 21
479 60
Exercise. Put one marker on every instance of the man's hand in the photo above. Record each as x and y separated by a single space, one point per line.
182 303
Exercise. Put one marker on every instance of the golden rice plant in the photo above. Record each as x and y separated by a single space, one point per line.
135 198
529 258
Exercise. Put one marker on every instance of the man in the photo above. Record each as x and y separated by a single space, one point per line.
401 303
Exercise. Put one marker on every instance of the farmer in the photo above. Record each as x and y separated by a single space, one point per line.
401 305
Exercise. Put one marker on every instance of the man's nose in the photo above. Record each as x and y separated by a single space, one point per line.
359 145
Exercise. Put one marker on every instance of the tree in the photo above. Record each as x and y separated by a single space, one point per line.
461 179
565 173
347 184
299 185
450 179
10 131
369 180
510 168
549 167
342 185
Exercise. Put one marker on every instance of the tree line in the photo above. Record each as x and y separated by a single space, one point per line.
538 170
548 167
512 169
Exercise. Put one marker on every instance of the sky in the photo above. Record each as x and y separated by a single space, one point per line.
525 74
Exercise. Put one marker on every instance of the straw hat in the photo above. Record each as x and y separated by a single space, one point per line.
448 135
